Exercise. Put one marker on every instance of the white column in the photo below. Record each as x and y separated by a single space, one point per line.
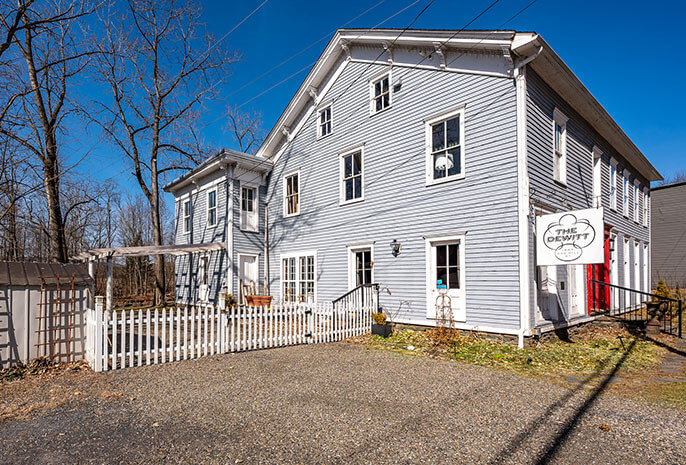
109 288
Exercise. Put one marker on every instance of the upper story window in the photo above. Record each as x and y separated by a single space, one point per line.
291 194
212 207
325 121
597 177
646 210
445 147
187 225
381 93
636 206
559 147
249 208
625 195
351 176
613 186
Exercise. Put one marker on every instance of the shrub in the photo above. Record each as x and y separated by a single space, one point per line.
379 318
662 289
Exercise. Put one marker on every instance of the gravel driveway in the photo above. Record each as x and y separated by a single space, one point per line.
342 403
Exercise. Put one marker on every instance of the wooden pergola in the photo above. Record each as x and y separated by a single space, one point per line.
109 253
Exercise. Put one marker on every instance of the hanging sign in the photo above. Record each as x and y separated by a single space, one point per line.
570 238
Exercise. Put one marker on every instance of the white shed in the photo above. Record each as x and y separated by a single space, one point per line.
42 311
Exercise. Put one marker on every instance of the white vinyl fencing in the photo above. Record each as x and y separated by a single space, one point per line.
135 337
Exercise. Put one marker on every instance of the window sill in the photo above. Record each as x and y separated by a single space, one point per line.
324 137
373 113
242 229
348 202
433 182
291 215
561 183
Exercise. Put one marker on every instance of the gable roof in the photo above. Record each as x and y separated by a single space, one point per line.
512 44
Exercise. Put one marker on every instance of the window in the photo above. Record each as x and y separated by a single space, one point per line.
325 121
636 206
291 194
625 194
380 94
363 267
448 265
249 213
212 207
351 176
597 177
187 216
445 147
613 187
560 147
646 211
204 278
298 278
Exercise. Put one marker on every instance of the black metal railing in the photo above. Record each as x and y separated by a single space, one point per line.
364 294
637 306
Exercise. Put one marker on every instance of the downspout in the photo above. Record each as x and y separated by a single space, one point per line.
523 198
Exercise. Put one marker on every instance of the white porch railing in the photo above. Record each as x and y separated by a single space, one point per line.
135 337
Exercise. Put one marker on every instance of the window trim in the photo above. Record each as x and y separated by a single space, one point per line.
256 200
441 117
362 246
372 98
297 256
560 161
328 106
636 206
189 216
216 207
285 198
646 206
597 157
625 194
341 174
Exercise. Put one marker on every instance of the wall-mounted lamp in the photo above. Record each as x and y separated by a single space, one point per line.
395 248
611 244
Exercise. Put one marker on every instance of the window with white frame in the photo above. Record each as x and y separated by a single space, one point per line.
597 177
325 121
298 278
187 221
559 147
351 176
613 187
291 194
625 195
381 93
212 207
646 211
249 208
445 147
636 206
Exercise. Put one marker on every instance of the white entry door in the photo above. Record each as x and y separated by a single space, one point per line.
247 274
446 263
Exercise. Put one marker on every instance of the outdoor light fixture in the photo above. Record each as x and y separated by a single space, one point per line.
395 248
611 244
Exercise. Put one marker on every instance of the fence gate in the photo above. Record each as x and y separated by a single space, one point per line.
135 337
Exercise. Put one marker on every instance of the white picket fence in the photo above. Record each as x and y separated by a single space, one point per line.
136 337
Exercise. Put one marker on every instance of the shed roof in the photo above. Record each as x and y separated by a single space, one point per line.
30 273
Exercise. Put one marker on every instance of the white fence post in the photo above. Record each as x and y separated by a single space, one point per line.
98 340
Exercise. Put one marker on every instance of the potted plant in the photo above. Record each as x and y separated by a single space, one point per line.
380 326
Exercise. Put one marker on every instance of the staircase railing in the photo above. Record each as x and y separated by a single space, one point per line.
364 294
634 305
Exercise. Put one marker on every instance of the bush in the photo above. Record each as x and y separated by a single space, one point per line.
379 318
662 289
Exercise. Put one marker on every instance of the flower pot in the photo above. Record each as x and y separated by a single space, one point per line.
382 330
258 300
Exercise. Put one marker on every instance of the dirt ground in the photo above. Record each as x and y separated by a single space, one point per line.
328 403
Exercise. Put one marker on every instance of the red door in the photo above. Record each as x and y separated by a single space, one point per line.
602 274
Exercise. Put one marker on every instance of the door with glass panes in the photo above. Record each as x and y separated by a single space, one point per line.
361 265
446 268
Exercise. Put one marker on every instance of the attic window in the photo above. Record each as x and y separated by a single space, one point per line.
380 93
325 121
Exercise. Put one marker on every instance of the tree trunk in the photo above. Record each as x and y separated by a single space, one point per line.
58 244
157 238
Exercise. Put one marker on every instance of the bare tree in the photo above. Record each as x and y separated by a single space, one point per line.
246 129
160 66
47 43
679 176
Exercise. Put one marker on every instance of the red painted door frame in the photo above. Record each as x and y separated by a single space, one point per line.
602 274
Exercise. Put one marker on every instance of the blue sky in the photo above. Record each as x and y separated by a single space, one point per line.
628 54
